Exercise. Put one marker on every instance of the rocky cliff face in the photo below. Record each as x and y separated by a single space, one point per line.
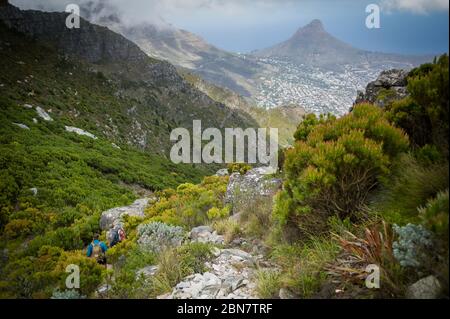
390 85
90 42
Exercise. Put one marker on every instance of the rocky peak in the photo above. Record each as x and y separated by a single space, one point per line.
313 31
315 26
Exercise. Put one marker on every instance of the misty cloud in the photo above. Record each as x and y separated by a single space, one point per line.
415 6
246 25
153 11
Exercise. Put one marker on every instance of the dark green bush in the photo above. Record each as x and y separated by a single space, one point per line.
308 123
435 214
339 163
410 185
424 115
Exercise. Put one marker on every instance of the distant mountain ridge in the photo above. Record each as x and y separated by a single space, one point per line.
312 45
182 48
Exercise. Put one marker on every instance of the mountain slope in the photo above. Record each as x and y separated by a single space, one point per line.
285 118
187 50
180 47
33 75
157 98
54 184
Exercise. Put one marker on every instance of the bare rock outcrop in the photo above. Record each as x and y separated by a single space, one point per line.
392 82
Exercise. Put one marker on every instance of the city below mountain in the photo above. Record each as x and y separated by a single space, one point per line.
312 69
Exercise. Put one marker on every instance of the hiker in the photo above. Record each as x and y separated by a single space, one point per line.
116 236
97 250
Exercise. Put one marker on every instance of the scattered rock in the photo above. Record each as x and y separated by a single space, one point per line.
22 126
222 172
205 234
426 288
113 217
147 272
236 217
198 231
238 255
102 291
230 276
286 294
42 114
79 131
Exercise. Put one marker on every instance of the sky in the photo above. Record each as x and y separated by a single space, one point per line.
407 26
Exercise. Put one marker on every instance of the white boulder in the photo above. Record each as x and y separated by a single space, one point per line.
79 131
43 114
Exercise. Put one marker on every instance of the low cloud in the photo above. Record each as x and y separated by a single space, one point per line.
147 10
415 6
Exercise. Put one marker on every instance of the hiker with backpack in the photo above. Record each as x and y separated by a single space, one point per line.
97 250
116 235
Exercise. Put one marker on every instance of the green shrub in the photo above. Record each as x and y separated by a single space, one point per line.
303 265
176 264
429 155
268 284
67 294
424 115
18 228
335 168
91 273
240 168
409 187
229 228
435 214
308 123
156 237
191 205
216 213
410 116
431 91
170 272
256 216
193 257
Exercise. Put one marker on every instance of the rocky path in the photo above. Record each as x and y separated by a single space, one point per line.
231 274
